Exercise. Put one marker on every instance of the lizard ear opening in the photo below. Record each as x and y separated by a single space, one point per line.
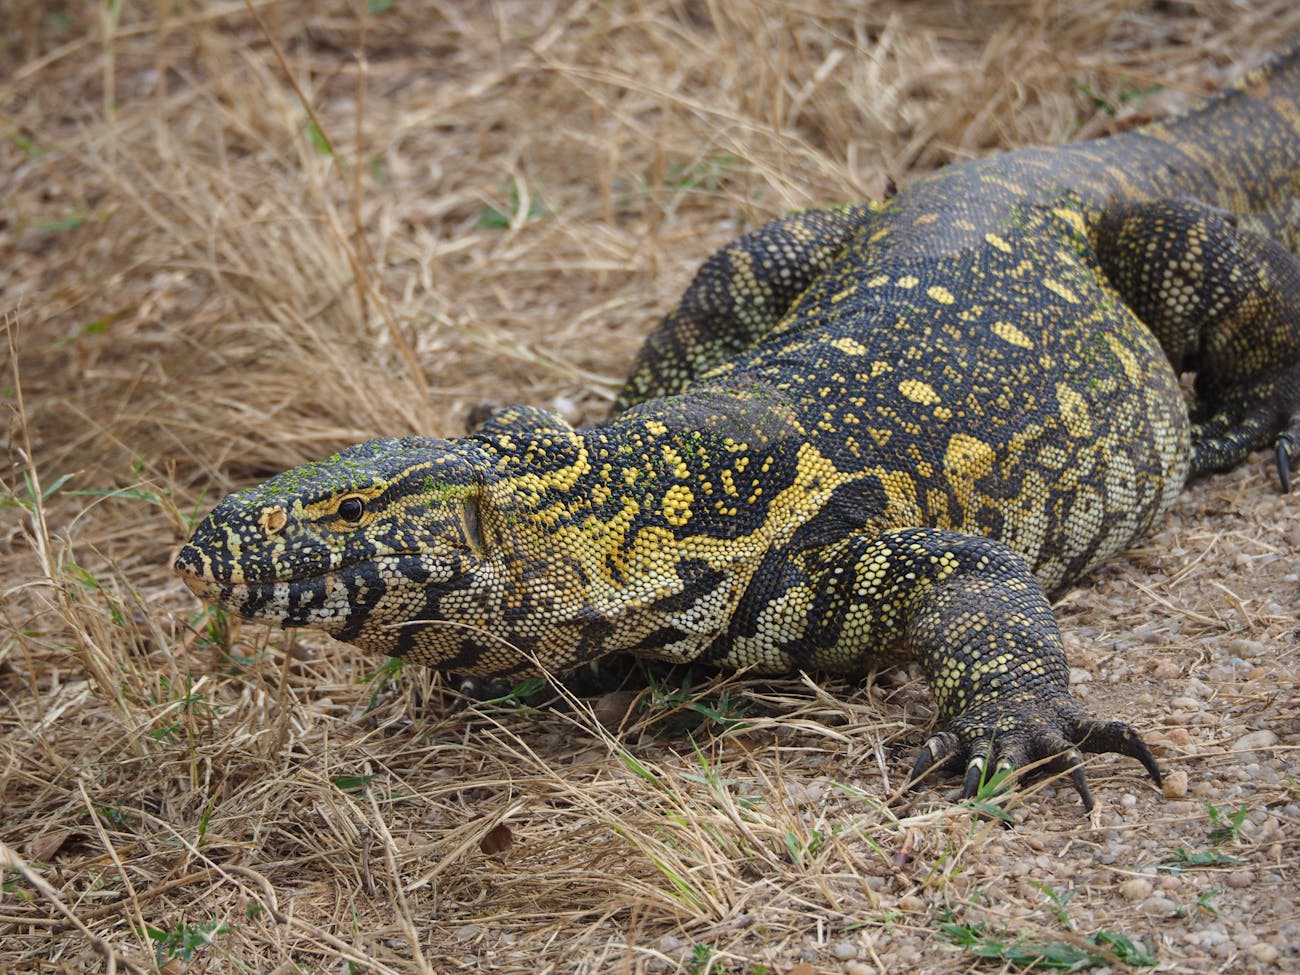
474 524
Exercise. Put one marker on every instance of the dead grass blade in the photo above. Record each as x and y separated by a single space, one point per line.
235 241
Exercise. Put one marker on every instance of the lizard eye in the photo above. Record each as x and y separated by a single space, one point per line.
351 509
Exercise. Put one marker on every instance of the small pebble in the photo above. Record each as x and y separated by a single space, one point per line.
858 968
1135 889
1264 952
613 708
845 951
1224 949
1175 784
1166 670
908 956
1239 879
1158 906
1255 740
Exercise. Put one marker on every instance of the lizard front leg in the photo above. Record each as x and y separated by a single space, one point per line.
971 611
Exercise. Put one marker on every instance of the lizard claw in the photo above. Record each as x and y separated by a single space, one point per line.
974 776
1048 734
1285 450
943 754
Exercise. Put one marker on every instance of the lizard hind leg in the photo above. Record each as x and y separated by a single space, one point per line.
1225 302
1253 417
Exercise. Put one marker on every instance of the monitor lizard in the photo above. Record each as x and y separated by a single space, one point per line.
867 434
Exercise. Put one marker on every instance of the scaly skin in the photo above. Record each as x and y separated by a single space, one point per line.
867 434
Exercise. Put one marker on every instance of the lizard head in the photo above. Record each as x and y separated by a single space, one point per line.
345 545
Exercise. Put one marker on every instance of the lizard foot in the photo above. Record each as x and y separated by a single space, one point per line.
1045 732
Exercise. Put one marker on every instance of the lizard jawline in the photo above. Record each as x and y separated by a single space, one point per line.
319 601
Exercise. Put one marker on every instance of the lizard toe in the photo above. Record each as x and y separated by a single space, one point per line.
942 754
1042 753
975 773
1041 736
1119 737
1286 451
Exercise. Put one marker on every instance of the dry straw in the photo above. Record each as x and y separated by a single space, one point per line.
235 236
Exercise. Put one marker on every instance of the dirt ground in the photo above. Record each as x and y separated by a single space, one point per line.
238 236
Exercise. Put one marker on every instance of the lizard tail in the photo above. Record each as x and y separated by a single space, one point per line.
1240 150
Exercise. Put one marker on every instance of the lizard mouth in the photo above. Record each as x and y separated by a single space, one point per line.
322 597
205 575
202 581
315 600
242 597
198 583
275 600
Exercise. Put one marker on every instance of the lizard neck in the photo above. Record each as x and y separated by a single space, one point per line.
637 497
640 535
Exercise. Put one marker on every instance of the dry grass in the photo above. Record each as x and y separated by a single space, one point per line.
198 293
